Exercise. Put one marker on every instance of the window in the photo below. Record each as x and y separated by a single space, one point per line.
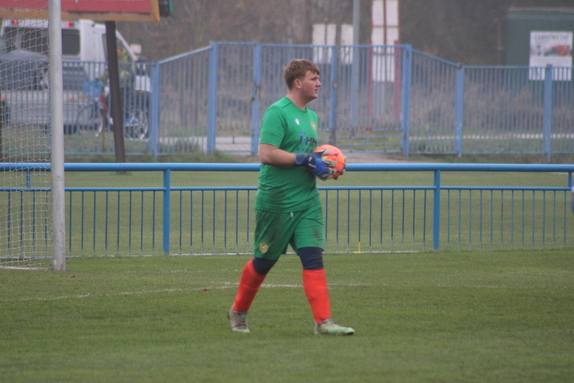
36 40
70 42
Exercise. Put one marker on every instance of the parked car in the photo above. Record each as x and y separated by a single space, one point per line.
82 40
25 95
84 53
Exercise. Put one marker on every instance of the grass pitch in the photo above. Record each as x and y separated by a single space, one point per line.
419 317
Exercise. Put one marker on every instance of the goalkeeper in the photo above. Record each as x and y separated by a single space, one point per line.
288 207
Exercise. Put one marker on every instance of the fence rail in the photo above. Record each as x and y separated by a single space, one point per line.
391 99
168 219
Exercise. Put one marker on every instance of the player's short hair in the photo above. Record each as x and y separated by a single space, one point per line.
297 69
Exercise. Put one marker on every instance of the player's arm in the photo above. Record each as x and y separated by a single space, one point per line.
272 155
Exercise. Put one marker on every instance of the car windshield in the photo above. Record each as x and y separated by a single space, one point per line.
36 40
24 70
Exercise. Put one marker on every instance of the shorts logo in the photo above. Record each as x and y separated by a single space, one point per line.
263 247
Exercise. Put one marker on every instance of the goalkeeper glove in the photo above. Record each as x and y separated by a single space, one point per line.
316 164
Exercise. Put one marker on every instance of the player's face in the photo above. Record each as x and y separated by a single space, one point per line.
310 85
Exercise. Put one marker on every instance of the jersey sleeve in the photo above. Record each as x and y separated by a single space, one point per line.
272 127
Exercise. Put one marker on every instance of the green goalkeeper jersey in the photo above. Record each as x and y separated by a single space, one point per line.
294 130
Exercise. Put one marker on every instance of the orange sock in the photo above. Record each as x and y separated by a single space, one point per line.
248 287
315 286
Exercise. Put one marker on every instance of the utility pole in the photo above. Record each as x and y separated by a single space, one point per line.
117 107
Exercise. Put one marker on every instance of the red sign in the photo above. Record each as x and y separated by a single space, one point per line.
120 10
24 4
130 6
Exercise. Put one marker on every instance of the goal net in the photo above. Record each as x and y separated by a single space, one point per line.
25 182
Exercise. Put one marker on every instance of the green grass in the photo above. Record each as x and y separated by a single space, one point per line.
489 316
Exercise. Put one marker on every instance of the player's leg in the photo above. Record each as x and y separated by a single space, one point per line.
272 233
252 276
309 243
315 282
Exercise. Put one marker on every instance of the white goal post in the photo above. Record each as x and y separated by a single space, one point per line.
32 200
57 138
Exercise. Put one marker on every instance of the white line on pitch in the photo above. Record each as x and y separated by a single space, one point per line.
226 285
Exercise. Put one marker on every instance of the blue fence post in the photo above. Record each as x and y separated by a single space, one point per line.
406 99
333 97
355 88
154 111
212 99
436 211
459 110
547 119
255 102
166 210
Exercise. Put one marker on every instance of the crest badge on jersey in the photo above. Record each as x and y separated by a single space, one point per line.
263 247
314 126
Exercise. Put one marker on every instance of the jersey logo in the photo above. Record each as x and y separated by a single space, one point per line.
313 125
297 121
263 247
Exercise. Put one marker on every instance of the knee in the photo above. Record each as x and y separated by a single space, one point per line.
262 266
311 258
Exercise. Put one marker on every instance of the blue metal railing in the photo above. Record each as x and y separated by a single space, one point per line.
391 99
168 219
401 101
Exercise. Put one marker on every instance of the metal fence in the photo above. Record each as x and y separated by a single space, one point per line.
457 109
377 99
169 219
389 99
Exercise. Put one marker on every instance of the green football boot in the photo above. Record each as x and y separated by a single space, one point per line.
328 327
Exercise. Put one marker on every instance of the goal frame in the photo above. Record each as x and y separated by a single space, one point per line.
54 11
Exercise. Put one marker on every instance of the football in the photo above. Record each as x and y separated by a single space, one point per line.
335 155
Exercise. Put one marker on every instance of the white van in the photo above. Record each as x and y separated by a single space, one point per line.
83 46
82 40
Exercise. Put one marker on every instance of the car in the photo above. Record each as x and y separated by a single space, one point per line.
25 94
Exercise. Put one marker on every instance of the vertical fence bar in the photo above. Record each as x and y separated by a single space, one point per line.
154 111
255 102
118 220
459 110
166 209
355 87
333 97
436 211
212 99
547 119
141 220
406 102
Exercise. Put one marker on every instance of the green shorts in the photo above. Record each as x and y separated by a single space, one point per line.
274 231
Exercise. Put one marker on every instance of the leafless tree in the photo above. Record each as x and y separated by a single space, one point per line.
195 23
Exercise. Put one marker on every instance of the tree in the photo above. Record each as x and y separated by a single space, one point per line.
468 31
195 23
